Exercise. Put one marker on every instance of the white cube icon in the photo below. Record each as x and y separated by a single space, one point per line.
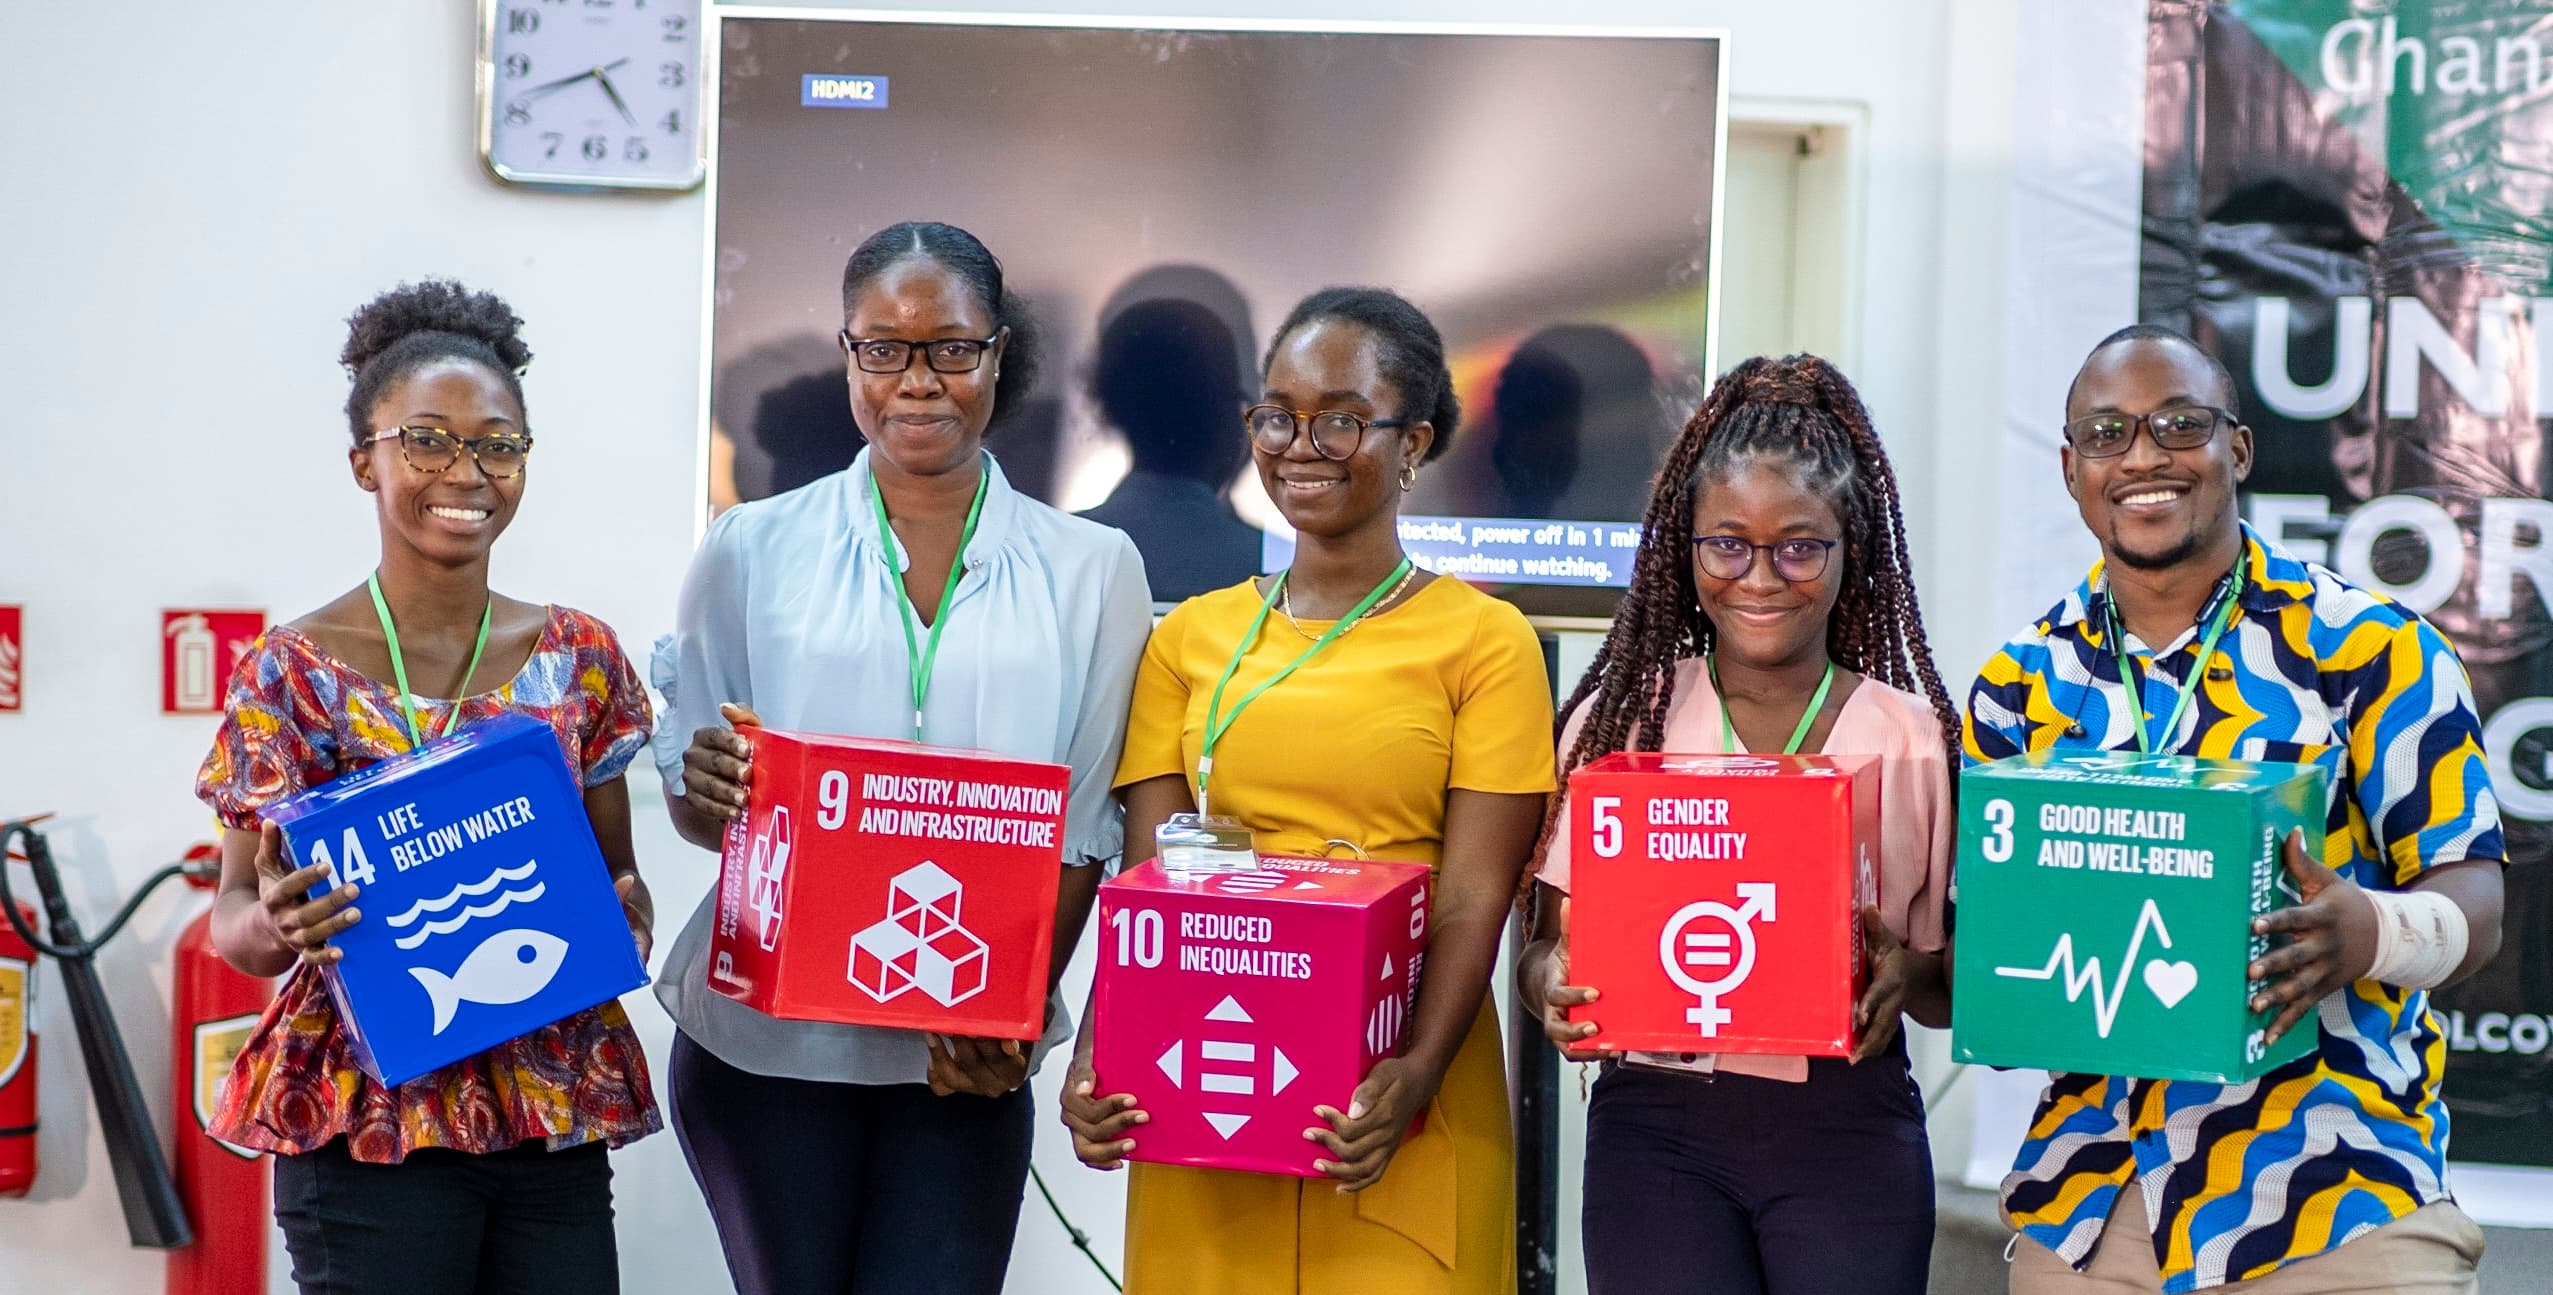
950 967
924 899
883 960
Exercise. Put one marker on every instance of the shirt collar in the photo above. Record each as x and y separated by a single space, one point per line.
994 530
2276 579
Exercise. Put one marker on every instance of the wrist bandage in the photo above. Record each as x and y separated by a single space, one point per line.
2420 938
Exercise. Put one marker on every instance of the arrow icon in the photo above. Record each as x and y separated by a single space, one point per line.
1169 1064
1387 966
1228 1010
1227 1125
1307 885
1285 1071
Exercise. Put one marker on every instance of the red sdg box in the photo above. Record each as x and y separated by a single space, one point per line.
888 883
1714 899
1230 1004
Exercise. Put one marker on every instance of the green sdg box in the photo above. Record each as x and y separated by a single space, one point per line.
2105 904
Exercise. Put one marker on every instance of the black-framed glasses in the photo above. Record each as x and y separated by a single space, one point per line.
2181 427
895 355
433 449
1726 557
1336 433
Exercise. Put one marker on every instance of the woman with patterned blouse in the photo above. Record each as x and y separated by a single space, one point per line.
488 1174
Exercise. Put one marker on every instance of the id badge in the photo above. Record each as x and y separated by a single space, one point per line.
1204 843
1691 1063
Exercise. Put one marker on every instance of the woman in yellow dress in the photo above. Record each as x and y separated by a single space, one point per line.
1420 732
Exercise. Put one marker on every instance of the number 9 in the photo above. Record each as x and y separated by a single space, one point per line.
833 799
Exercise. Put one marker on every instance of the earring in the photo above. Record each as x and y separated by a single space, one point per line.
1409 478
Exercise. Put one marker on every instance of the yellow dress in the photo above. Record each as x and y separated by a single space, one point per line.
1447 690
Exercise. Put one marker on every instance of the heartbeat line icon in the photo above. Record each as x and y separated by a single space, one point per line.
2169 982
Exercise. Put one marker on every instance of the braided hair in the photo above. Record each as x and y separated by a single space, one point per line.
1801 413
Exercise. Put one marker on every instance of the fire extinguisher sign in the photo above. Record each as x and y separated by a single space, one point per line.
13 655
198 650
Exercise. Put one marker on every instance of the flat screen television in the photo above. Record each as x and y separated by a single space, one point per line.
1161 197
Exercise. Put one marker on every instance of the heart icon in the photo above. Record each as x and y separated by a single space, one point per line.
2170 981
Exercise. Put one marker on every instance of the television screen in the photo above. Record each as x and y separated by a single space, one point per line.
1161 198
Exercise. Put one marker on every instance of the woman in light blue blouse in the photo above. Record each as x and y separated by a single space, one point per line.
840 1157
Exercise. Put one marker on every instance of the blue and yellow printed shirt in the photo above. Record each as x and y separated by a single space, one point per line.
2243 1178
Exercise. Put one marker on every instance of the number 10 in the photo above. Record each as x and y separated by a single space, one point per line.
1138 941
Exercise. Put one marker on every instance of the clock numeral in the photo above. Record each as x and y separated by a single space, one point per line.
522 22
675 27
637 150
673 122
517 66
670 76
553 139
518 113
596 148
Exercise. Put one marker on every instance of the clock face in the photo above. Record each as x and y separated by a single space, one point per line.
591 92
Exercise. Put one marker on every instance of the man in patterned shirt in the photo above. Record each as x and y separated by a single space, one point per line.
2328 1173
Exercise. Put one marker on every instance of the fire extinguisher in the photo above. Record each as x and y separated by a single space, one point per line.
224 1186
17 1056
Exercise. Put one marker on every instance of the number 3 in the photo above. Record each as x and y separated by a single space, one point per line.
1997 846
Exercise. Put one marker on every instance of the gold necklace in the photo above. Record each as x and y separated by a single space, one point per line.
1285 604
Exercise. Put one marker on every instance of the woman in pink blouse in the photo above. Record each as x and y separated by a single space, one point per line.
1771 609
488 1174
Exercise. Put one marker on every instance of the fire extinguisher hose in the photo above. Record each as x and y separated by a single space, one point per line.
154 1217
78 948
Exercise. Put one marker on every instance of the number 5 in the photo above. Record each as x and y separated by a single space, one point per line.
1608 824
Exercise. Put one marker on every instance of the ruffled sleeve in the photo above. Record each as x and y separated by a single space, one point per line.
617 717
277 736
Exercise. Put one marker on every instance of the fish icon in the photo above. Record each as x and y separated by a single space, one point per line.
507 967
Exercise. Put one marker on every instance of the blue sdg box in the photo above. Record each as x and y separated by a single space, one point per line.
488 911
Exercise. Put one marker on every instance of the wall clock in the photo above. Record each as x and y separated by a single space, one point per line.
591 94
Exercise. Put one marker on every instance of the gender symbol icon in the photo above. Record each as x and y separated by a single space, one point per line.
1725 956
920 945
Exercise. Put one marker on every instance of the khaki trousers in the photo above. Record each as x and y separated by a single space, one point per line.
2433 1250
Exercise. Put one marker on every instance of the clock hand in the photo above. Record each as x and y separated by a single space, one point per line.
606 83
551 87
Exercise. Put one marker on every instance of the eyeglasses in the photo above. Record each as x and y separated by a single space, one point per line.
1726 557
893 355
432 449
2181 427
1336 433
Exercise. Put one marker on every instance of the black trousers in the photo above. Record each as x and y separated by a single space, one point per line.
868 1189
1736 1185
525 1221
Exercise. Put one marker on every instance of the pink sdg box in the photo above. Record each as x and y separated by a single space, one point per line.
1231 1004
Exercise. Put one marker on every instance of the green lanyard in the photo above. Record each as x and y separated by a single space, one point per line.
921 656
1218 720
2188 687
1808 718
399 663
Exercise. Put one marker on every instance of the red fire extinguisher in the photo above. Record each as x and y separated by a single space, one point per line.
17 1055
224 1186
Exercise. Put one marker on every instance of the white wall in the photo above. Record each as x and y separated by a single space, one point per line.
198 198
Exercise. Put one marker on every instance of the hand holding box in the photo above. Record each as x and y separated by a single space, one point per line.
1715 900
2105 909
488 909
1232 1004
887 883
